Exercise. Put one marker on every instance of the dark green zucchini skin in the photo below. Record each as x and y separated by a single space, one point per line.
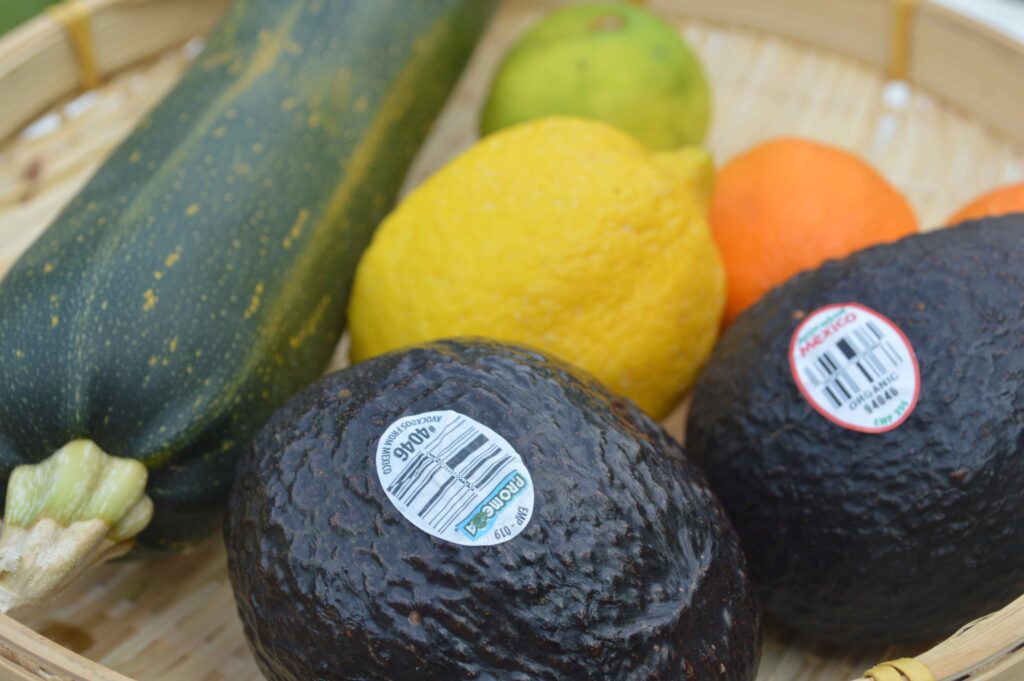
202 275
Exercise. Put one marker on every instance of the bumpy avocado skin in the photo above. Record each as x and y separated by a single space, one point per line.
895 537
628 568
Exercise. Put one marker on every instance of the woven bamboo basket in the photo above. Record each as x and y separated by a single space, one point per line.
932 98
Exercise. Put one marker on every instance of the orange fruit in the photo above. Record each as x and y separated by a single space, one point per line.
788 205
1008 199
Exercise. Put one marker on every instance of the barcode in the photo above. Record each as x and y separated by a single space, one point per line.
447 473
864 353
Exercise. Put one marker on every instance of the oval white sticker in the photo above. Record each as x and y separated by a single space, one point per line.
455 478
855 367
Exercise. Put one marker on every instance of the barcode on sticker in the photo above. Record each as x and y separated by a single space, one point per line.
855 367
455 478
860 357
452 468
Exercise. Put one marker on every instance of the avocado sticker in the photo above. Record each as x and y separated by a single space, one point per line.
455 478
855 367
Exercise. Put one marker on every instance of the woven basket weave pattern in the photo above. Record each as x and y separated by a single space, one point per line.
175 618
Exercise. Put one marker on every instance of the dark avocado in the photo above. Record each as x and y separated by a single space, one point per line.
627 569
880 537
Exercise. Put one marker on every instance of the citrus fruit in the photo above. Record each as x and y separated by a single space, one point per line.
788 205
613 62
563 234
1007 199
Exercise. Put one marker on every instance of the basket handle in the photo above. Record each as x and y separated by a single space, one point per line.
987 649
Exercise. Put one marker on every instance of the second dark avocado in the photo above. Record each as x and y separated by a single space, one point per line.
895 536
627 570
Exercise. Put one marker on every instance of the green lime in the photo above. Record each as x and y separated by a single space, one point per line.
613 62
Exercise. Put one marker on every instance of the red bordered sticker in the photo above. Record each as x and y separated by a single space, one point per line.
855 367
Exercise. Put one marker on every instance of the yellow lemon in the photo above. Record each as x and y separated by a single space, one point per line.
563 234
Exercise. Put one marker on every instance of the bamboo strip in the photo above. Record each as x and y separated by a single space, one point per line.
43 659
38 60
964 61
15 672
989 648
971 64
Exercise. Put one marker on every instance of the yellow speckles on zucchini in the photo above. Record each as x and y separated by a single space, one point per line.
54 321
254 302
309 328
171 259
296 229
194 214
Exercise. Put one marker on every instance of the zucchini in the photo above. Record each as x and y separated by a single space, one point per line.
202 275
14 13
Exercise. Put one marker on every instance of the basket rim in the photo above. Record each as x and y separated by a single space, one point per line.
43 37
997 97
39 59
